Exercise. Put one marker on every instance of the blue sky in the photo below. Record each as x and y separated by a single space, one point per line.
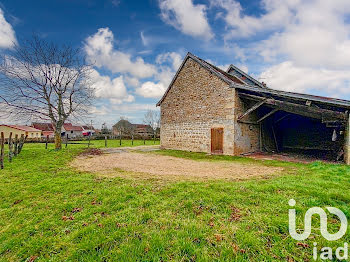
137 46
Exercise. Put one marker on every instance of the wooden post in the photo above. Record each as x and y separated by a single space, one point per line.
132 140
144 140
347 141
105 141
89 139
47 141
275 139
66 140
260 137
2 145
10 147
21 143
120 138
15 150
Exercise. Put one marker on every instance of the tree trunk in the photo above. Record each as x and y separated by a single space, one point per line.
58 139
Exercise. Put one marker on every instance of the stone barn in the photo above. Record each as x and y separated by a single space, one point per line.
206 109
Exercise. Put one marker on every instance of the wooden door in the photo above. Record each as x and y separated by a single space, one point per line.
217 140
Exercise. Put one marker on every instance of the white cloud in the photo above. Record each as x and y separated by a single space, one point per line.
187 17
277 14
168 64
307 43
132 81
311 33
144 39
289 77
172 57
99 111
113 89
165 76
151 90
244 68
7 34
100 51
131 108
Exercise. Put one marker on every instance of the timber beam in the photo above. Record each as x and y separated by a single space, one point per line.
267 115
307 111
252 109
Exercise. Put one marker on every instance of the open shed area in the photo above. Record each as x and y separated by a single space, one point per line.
305 125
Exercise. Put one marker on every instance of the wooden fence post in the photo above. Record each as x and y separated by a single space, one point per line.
15 150
2 145
67 141
21 143
105 141
10 147
47 141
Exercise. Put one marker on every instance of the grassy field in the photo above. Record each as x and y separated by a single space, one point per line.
116 143
50 212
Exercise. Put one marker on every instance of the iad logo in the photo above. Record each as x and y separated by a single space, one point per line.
323 221
326 251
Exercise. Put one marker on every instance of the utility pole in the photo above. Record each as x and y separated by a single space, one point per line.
90 133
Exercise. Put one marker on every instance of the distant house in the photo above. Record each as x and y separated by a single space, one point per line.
31 132
127 129
72 131
46 129
142 131
68 129
88 130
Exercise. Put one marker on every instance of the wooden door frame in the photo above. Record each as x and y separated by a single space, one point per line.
221 151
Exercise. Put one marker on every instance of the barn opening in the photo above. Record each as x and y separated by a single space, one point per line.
299 125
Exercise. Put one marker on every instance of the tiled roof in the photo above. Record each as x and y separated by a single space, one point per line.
321 99
141 126
88 127
23 128
245 77
70 127
43 126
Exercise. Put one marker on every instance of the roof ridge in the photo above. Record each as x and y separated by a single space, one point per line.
229 79
245 74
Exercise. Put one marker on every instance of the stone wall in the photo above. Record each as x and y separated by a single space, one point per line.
247 136
197 102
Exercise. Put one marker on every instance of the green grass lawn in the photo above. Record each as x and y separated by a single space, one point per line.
116 143
54 213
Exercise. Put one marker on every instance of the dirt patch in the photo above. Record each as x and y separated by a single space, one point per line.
289 157
91 152
151 166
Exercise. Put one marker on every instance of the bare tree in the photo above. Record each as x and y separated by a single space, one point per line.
123 126
42 80
152 118
105 130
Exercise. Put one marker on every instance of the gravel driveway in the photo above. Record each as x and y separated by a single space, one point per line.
124 162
